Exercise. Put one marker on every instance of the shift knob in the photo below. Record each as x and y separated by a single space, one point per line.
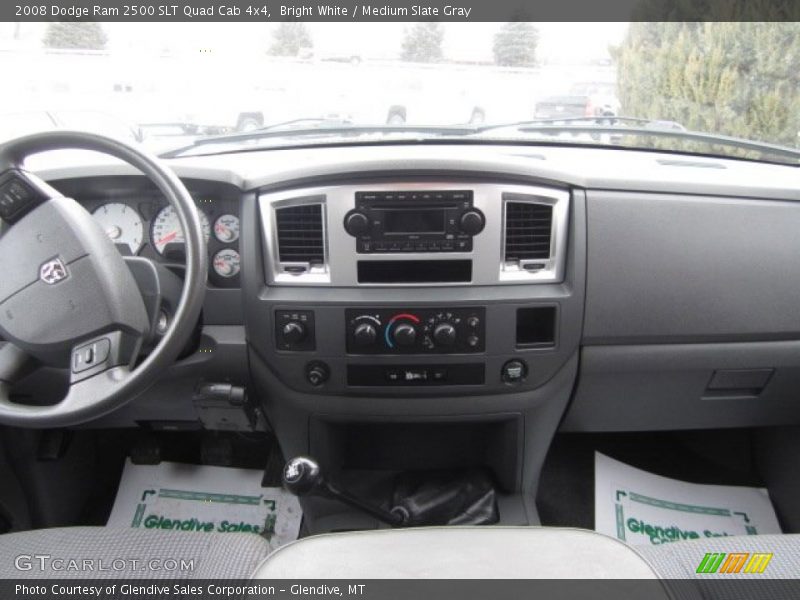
301 475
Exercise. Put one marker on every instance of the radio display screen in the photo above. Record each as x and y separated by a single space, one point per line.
416 220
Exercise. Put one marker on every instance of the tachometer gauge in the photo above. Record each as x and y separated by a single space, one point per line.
226 228
166 229
122 224
227 263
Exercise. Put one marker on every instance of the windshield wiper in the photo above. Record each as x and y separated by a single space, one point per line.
642 128
324 131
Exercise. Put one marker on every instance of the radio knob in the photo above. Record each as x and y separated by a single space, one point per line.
356 223
364 334
405 334
293 332
472 222
444 334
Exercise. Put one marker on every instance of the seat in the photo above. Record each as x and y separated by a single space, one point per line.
102 553
457 553
542 553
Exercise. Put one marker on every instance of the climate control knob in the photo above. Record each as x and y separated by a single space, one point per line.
356 223
444 334
293 332
365 334
405 334
472 222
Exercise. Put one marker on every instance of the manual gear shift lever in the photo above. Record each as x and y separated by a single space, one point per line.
302 476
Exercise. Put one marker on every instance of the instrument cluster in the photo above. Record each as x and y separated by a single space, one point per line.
150 228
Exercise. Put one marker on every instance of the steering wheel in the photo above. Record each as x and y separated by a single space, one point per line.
67 297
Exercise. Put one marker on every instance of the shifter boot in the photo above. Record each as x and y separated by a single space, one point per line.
451 497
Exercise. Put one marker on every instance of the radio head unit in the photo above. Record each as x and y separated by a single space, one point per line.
414 221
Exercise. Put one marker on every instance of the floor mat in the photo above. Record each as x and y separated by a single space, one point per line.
640 508
566 488
182 497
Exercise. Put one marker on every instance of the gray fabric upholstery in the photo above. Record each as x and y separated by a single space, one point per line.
455 553
214 555
679 560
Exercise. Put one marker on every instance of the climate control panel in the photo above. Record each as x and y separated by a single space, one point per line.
431 330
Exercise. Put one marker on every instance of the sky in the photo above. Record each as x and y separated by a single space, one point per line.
559 42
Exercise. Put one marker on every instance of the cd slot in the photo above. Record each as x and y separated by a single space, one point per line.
414 271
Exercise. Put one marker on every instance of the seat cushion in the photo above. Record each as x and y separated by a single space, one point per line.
101 552
457 553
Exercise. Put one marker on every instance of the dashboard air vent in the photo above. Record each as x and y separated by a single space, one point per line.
300 234
528 232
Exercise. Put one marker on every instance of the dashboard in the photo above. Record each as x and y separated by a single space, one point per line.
467 302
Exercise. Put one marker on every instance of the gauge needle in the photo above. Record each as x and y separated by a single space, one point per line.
167 238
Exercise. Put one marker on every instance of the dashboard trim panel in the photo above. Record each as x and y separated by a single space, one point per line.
340 268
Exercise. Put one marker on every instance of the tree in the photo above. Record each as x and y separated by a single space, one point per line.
735 78
75 35
515 45
423 43
290 38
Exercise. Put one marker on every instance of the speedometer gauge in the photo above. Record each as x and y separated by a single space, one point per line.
167 229
122 224
227 263
226 228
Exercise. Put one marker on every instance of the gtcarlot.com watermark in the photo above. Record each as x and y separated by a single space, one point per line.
46 563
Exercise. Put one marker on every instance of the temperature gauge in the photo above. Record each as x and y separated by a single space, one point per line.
227 263
226 228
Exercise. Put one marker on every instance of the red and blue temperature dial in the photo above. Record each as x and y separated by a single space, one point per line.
401 330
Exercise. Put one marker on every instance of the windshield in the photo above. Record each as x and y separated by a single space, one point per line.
258 85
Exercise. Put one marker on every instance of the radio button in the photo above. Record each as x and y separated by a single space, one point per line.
472 222
356 223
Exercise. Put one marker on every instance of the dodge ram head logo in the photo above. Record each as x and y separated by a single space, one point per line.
53 271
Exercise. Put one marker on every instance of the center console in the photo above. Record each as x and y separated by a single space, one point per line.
399 324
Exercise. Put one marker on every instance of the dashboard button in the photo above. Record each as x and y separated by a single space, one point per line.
514 371
317 373
356 223
471 222
405 334
293 332
444 334
365 334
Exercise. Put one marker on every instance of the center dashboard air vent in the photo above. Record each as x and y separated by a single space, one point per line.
528 233
300 236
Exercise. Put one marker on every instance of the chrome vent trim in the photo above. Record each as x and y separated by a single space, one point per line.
296 233
534 237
